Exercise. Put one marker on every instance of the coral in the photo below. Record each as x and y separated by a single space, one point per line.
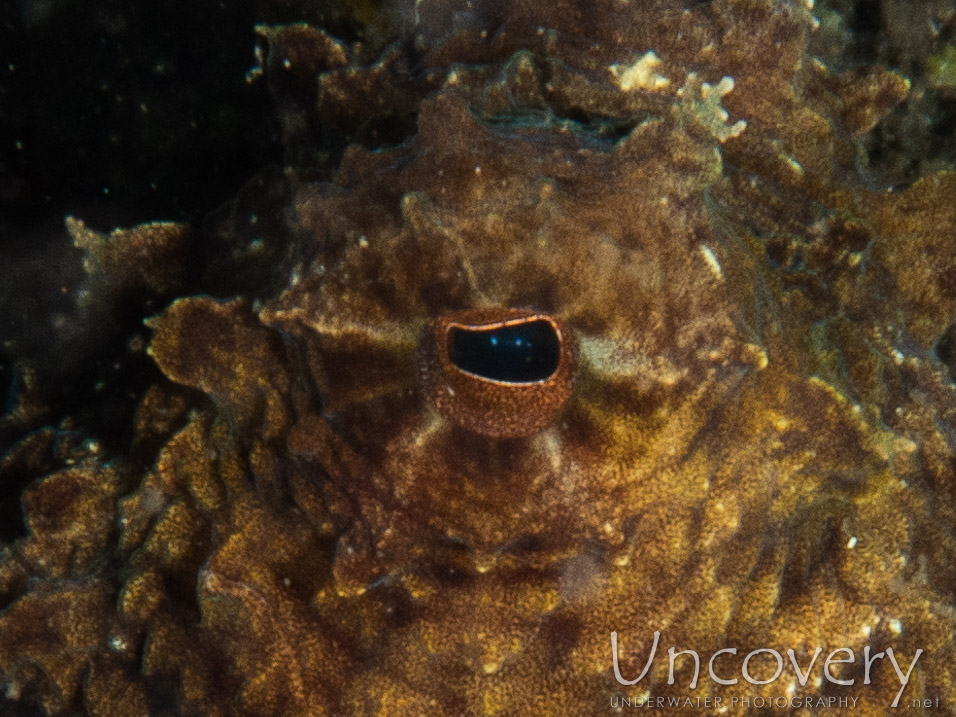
747 440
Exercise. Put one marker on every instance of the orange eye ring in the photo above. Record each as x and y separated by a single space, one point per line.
504 373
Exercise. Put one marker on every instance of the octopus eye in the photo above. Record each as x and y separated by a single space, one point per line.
517 353
499 372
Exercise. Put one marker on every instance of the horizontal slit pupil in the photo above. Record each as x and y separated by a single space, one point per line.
517 353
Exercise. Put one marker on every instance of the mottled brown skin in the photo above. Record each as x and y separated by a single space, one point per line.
757 450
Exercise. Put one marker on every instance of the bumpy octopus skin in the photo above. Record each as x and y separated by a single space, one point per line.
747 440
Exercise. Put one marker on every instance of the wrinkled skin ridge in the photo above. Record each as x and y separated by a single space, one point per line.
758 449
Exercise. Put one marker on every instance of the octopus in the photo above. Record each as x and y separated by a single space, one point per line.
595 322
